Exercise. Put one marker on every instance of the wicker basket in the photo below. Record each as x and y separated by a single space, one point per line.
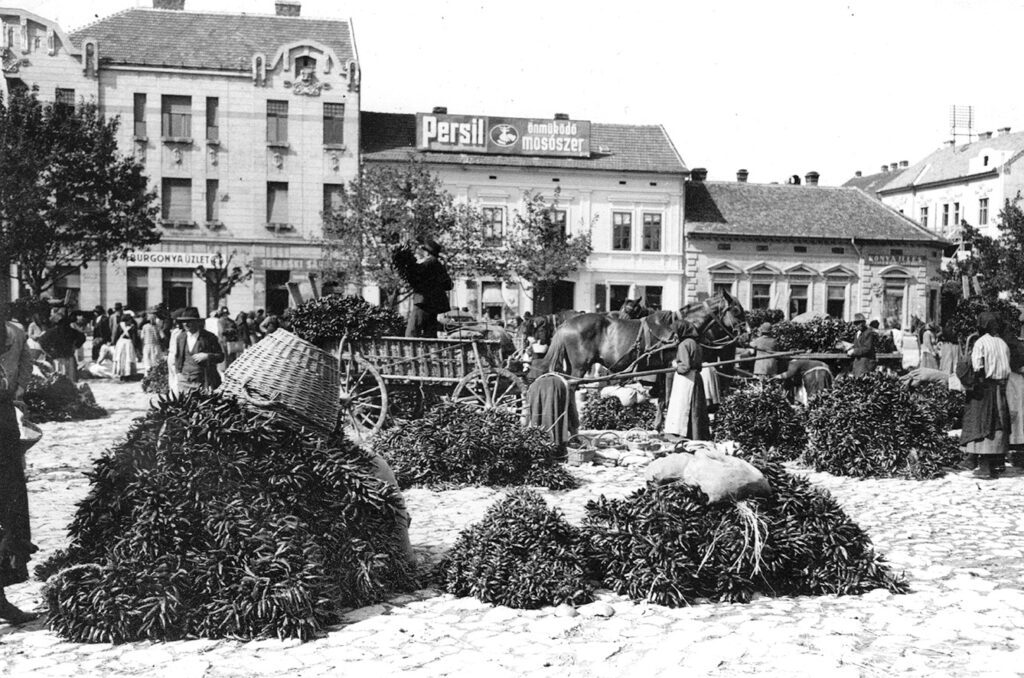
579 450
289 376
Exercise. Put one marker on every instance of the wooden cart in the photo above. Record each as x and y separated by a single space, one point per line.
374 373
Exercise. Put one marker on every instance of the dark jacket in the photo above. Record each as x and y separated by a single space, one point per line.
61 341
429 280
864 347
207 342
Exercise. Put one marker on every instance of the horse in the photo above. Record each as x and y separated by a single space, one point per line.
599 338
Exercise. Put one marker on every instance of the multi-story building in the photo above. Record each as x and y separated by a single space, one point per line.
625 182
244 123
808 249
969 182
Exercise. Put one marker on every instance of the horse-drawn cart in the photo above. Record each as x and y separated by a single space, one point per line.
376 373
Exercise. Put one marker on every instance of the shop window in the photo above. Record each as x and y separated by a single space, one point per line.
982 211
139 111
494 226
622 231
492 304
277 202
600 298
177 287
334 123
760 295
212 203
797 298
176 116
652 297
176 199
652 232
617 295
277 291
894 296
277 122
138 288
835 303
213 119
924 217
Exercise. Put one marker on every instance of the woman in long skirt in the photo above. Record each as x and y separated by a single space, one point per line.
152 351
929 350
949 350
687 413
125 358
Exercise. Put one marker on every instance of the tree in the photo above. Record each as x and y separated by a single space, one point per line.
67 196
221 277
385 207
998 263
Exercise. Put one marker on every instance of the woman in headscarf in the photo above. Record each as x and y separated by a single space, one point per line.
986 425
687 413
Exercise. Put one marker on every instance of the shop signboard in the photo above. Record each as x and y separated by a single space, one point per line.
170 259
891 259
505 136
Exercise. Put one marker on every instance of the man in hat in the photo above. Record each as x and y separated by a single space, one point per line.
60 343
15 535
196 354
430 283
864 345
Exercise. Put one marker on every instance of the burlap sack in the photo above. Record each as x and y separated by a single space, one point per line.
718 475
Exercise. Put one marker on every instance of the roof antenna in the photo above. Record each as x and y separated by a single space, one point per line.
961 122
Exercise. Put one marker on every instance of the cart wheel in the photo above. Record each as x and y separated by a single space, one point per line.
491 387
364 398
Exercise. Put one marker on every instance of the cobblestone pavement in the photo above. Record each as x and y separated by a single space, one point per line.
960 541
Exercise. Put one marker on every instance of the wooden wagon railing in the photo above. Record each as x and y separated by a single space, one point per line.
408 360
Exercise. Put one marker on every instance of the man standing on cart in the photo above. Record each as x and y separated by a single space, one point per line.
430 283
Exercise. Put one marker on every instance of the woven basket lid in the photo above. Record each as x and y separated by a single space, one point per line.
288 375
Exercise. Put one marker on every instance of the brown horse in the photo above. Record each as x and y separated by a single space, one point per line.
598 338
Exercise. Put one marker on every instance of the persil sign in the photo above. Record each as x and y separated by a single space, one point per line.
509 136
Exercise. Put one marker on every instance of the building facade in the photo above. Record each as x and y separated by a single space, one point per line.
960 183
809 249
244 123
624 182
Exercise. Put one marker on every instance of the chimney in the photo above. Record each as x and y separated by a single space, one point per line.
741 176
904 164
857 173
885 168
561 116
169 4
440 110
287 7
698 174
1004 130
984 135
895 166
811 178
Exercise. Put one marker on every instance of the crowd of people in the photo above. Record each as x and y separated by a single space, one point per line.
122 344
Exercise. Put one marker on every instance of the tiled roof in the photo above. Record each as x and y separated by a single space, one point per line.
156 37
390 137
953 162
801 212
872 183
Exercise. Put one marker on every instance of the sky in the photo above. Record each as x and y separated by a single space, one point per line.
777 87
